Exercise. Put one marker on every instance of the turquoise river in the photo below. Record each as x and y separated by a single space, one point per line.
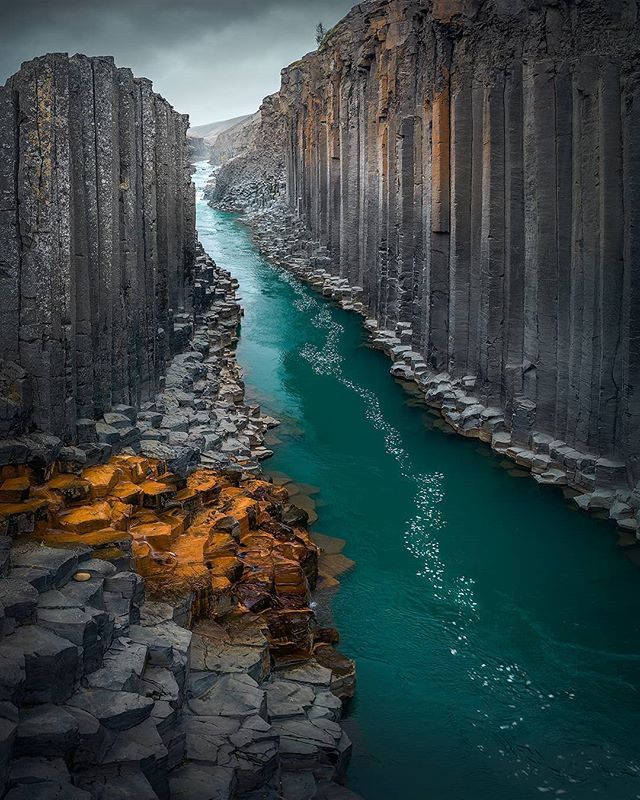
496 631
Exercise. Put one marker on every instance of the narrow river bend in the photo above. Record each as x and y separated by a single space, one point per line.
496 631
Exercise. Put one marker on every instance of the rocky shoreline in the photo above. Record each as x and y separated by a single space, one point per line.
593 484
207 677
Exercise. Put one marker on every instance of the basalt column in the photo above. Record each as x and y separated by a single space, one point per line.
97 236
474 166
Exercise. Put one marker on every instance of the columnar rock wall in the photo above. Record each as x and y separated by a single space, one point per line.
474 165
97 235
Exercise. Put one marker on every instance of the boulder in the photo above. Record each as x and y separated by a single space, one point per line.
50 663
116 710
46 730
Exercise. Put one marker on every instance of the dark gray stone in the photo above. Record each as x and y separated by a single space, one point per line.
19 599
50 663
114 709
195 782
46 730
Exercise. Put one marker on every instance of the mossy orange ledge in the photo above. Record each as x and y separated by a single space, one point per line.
231 546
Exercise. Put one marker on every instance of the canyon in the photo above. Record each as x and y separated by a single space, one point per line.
471 170
453 185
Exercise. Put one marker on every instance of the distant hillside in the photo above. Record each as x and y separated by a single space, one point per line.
212 130
234 140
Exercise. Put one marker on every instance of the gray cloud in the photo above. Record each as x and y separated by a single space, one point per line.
212 59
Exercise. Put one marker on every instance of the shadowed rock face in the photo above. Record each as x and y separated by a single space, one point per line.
476 168
252 155
235 140
97 235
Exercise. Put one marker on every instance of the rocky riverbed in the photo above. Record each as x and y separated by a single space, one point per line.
157 635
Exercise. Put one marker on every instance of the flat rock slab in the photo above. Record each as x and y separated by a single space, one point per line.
299 785
73 624
163 640
129 787
249 745
47 790
159 683
234 695
207 738
54 598
40 579
126 584
311 672
288 699
195 782
86 593
326 705
12 676
137 747
218 656
115 710
98 568
331 545
61 563
94 737
318 733
122 667
36 769
304 744
154 613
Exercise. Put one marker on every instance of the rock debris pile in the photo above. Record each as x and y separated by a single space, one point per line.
198 417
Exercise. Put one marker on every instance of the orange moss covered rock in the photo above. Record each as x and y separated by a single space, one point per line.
214 538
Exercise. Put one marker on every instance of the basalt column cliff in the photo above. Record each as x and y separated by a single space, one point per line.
97 240
474 166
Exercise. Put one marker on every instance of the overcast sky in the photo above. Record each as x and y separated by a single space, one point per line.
213 59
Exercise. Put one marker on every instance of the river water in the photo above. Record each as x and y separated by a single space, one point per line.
496 631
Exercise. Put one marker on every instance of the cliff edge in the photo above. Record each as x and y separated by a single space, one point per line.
474 167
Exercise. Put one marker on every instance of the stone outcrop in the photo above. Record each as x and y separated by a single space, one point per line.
198 148
97 238
107 694
209 132
254 178
473 168
110 695
119 390
235 140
